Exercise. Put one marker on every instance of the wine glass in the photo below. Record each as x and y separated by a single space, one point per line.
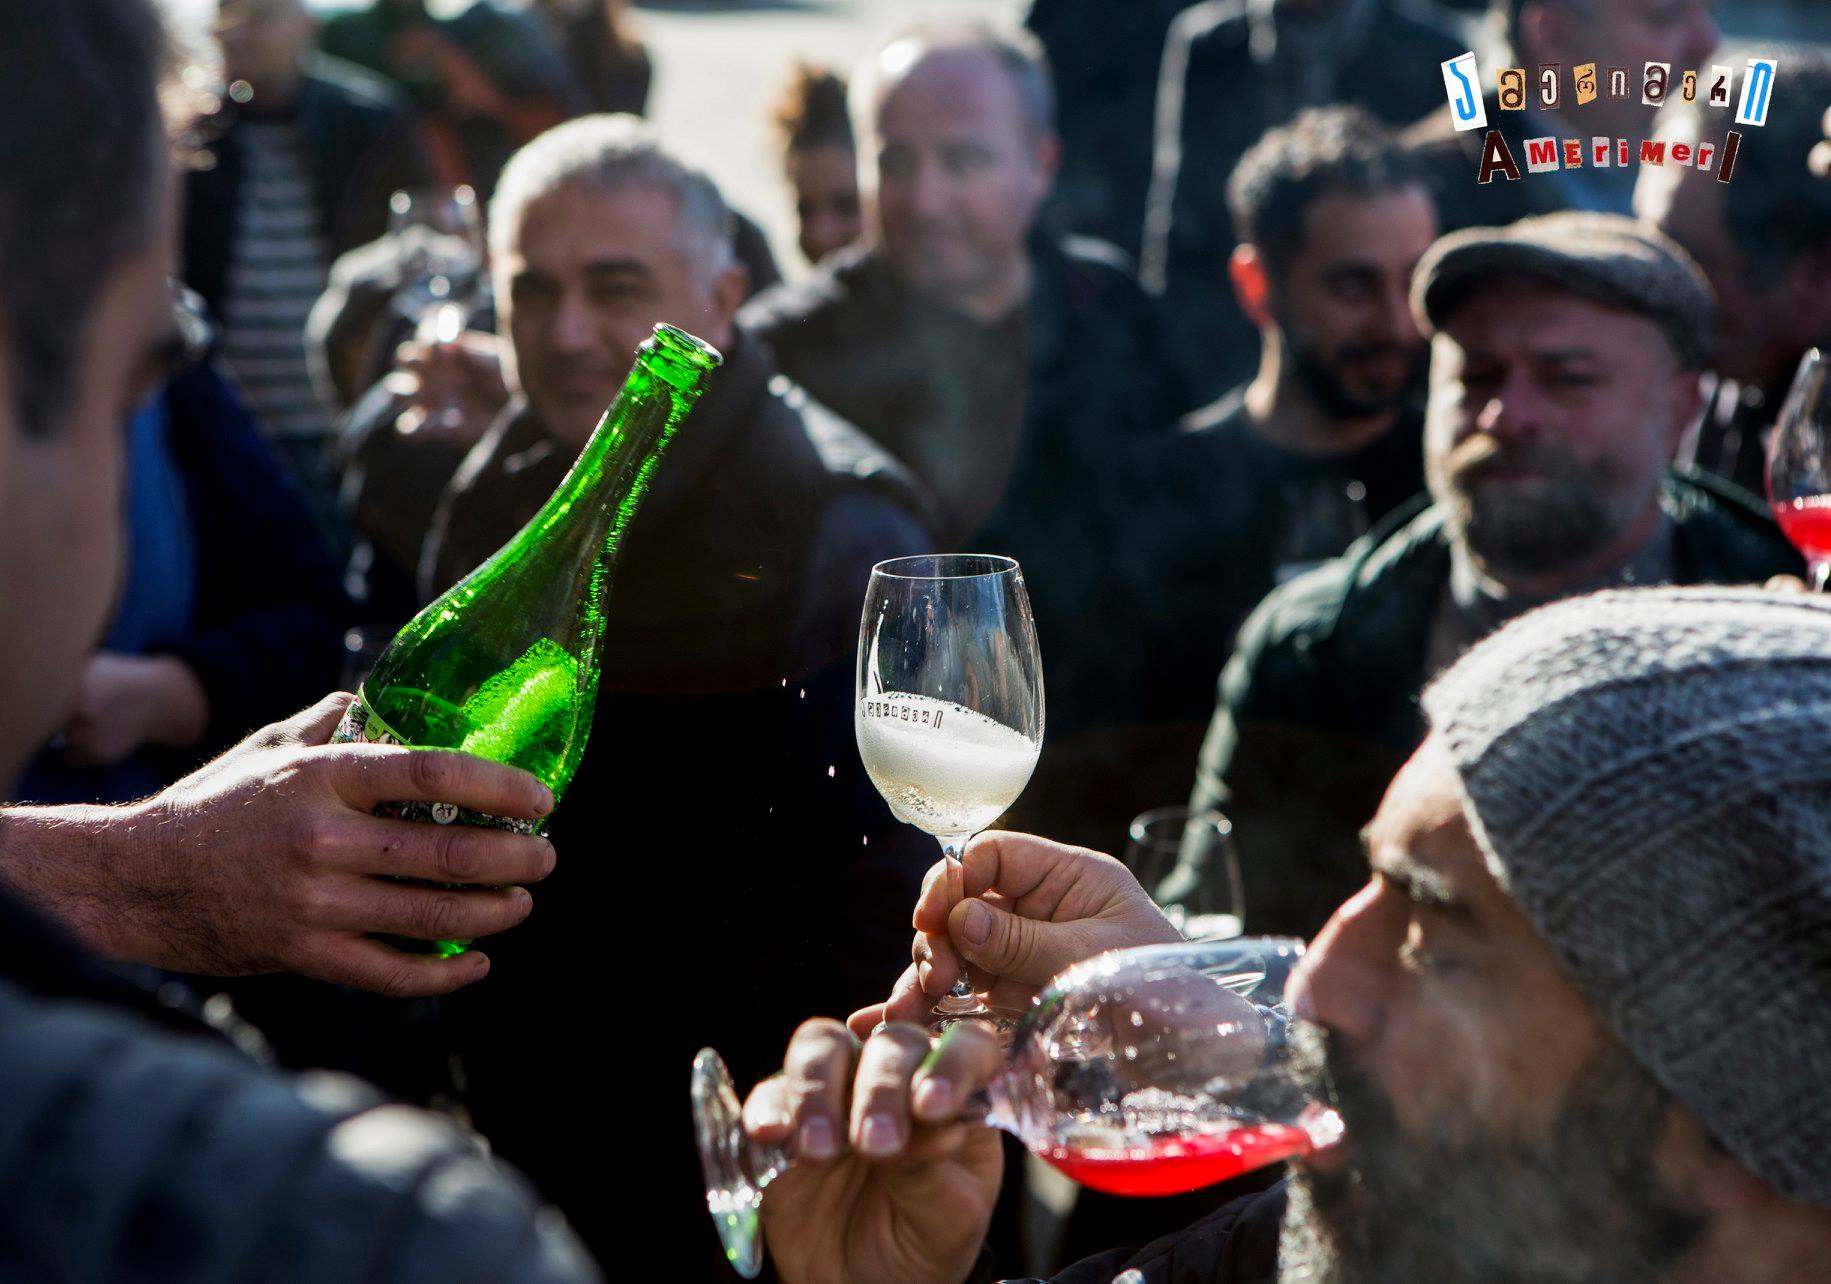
1799 466
949 711
440 231
1145 1071
1196 846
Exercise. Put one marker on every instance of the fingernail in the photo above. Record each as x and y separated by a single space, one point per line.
544 800
817 1139
525 899
933 1097
878 1136
922 971
978 923
921 951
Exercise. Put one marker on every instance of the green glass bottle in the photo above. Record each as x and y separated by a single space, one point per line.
505 664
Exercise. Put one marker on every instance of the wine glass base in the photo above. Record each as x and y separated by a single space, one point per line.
734 1201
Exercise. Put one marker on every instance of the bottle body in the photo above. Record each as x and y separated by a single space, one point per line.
504 664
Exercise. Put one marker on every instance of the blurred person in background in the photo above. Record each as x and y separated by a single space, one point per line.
1764 240
303 154
820 161
229 616
1566 353
1285 471
1231 70
1019 373
726 693
1105 61
610 67
1564 34
149 1143
487 79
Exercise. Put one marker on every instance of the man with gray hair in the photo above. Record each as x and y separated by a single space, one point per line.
729 632
1574 1020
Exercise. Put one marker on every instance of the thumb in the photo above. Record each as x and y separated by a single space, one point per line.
311 726
1012 947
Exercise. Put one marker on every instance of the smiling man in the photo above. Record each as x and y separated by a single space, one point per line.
1564 369
1574 1022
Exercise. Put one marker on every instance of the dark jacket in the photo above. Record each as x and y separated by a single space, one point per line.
140 1144
1215 100
728 870
1030 434
360 140
1104 58
1235 1244
1319 706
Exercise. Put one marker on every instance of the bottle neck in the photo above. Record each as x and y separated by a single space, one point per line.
606 484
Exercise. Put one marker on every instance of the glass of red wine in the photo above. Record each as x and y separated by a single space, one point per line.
1799 466
1147 1071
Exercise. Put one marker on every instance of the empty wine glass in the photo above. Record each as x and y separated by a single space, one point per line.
949 712
440 231
1146 1071
1186 857
1799 466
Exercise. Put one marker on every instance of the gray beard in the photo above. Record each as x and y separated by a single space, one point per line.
1581 1207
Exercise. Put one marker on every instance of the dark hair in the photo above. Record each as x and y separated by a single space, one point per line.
1775 208
81 141
1323 150
812 110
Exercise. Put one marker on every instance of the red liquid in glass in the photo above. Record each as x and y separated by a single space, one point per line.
1172 1165
1807 523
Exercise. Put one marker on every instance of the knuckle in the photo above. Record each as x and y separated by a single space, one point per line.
438 916
458 856
399 981
432 773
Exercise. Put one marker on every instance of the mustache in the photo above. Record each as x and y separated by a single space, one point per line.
1479 454
1323 1068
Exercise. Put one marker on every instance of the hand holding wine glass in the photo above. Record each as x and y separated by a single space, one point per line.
1144 1071
441 235
1044 906
1799 466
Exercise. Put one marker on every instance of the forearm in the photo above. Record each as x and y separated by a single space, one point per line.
67 862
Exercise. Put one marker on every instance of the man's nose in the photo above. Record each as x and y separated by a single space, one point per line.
1342 982
1511 412
572 328
928 195
1396 322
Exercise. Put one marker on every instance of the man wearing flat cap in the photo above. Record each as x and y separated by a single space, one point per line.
1565 352
1575 1020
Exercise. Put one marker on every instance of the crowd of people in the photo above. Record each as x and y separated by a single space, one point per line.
1411 522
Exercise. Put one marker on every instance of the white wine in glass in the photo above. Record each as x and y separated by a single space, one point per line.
949 712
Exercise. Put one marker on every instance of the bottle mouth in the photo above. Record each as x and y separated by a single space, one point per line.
677 356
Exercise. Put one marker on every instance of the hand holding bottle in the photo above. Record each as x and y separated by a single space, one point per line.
1025 908
268 859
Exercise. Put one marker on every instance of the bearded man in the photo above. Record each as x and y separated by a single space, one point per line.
1565 354
1573 1020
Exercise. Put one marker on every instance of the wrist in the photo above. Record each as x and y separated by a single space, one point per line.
64 860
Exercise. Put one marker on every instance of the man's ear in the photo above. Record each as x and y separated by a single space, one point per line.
728 295
1250 275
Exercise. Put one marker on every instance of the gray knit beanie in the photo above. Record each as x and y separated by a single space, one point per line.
1649 773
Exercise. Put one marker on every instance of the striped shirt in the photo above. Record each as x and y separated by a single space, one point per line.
277 270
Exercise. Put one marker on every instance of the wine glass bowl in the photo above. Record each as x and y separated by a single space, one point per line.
1799 466
1145 1071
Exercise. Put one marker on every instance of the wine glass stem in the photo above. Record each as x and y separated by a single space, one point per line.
961 998
1820 574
